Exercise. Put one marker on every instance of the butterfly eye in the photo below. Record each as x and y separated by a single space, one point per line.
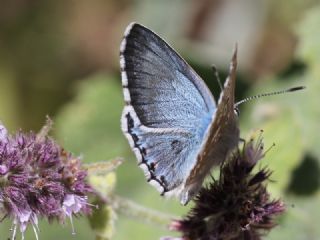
236 111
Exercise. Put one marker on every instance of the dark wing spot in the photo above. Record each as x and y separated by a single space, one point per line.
134 137
143 151
174 143
163 180
130 121
176 146
152 166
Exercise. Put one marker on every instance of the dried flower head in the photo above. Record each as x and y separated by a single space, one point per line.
38 179
237 206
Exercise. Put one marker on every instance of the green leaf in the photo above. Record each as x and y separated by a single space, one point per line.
307 112
102 221
91 123
287 153
104 184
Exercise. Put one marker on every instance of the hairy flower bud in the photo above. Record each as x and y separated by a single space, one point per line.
237 206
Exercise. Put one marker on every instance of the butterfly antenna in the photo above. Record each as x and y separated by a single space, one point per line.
232 65
217 76
269 94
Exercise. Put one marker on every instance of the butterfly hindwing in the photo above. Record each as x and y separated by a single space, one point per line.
162 153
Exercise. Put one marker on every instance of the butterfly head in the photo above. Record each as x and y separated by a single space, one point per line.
236 111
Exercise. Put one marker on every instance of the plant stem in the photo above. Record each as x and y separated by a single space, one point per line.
133 210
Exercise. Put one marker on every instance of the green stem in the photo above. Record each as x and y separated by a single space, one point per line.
133 210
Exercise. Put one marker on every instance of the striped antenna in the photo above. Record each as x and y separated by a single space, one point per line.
269 94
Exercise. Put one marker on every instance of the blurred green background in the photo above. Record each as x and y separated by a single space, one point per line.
61 58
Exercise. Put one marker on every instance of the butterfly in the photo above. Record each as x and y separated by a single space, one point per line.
170 118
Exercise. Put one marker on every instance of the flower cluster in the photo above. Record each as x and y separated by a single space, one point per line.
235 207
38 179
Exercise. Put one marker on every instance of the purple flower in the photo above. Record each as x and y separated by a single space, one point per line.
237 206
73 204
38 179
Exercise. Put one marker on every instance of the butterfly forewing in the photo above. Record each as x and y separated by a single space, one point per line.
162 87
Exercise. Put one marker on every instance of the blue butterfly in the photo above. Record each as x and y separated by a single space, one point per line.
171 120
